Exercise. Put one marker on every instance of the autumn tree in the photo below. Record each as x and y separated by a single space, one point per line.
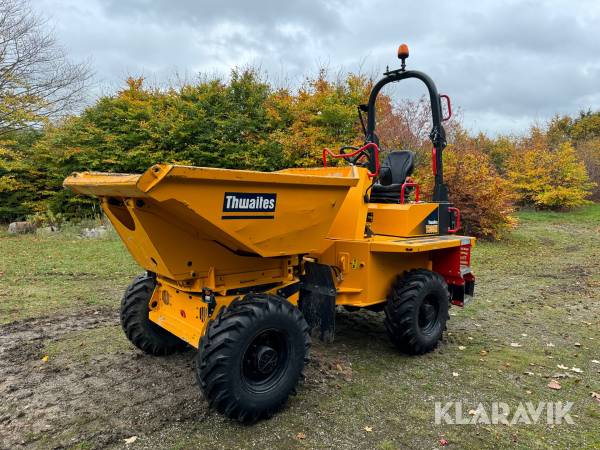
548 178
588 151
583 132
323 113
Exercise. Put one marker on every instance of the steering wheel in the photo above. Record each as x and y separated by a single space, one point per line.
353 159
356 155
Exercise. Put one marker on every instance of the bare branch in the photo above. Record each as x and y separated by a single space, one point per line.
37 80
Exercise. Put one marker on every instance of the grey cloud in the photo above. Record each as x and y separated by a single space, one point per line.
269 15
504 63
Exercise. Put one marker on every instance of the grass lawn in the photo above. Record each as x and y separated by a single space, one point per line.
54 273
536 318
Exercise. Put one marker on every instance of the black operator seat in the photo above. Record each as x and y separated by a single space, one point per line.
397 166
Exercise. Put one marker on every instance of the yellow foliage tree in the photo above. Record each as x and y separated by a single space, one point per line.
589 152
549 179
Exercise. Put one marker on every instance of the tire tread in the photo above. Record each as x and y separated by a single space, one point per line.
138 328
400 310
224 334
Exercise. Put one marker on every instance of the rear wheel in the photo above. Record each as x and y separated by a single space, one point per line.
417 311
252 356
139 329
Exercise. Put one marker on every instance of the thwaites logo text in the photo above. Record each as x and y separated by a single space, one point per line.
237 202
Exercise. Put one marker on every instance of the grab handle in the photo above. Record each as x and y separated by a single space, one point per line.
449 105
404 186
456 220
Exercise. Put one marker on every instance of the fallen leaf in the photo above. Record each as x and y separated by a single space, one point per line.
130 440
528 392
550 344
554 385
339 367
576 370
455 374
470 338
577 344
45 358
368 429
461 347
529 373
524 334
507 364
515 344
300 436
443 442
483 352
562 367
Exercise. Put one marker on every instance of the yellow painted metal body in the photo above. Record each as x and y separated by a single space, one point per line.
183 313
369 266
176 222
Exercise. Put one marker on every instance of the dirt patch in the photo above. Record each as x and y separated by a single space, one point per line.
104 399
91 395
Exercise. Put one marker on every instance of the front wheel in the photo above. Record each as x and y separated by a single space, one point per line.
252 356
417 311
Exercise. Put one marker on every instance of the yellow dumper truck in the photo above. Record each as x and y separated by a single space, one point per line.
245 266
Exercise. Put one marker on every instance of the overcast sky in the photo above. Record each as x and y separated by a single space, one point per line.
504 63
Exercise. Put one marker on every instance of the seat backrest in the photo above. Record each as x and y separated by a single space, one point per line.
401 164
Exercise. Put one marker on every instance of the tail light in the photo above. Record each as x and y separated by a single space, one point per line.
465 256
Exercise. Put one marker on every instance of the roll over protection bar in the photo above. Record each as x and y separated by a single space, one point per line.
437 135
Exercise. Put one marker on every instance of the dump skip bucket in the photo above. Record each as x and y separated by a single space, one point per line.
170 209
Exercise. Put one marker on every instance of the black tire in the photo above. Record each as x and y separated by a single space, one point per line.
252 356
417 311
139 329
